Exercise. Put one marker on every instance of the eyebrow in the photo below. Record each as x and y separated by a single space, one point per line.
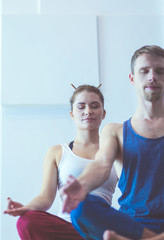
157 67
85 103
144 67
95 102
161 68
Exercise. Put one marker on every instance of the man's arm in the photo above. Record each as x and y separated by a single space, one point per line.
96 172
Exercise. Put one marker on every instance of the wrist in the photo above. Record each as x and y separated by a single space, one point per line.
84 186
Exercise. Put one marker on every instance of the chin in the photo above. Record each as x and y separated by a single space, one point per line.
152 97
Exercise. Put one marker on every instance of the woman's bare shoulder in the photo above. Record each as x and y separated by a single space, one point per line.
54 153
55 148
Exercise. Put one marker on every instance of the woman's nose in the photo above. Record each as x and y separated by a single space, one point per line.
88 110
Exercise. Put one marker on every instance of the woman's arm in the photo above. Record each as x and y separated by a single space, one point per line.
48 190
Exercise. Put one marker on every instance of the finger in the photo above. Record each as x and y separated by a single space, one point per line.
71 179
63 190
69 204
66 203
72 205
9 202
9 212
14 212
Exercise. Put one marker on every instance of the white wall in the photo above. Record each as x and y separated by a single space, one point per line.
62 49
46 45
0 125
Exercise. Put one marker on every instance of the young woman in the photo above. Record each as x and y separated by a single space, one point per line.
61 161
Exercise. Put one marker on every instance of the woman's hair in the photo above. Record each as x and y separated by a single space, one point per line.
88 88
148 49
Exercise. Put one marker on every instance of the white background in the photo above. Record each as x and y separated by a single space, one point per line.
45 46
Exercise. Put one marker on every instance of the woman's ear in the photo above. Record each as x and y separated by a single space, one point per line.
104 114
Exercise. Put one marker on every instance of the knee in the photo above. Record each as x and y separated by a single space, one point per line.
26 221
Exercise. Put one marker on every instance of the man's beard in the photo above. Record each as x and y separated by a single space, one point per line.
152 97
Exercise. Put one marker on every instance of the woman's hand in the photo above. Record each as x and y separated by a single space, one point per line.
15 208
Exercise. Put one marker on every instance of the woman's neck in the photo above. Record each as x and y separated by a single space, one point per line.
87 137
86 144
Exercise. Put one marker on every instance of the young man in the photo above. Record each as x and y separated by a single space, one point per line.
137 148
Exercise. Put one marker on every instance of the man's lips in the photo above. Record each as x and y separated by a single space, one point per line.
88 119
152 87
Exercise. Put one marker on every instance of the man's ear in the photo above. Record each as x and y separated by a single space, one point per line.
71 114
104 114
131 77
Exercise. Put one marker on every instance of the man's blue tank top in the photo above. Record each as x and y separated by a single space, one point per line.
142 177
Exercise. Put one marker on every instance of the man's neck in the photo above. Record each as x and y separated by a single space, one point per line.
150 110
148 121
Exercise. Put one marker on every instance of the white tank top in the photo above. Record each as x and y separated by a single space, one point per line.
72 164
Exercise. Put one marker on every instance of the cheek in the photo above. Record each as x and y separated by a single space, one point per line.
100 115
77 115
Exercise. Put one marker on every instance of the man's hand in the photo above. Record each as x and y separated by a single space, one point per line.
72 193
15 208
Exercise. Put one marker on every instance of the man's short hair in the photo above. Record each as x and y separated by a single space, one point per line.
148 49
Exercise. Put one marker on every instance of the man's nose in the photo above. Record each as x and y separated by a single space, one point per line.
152 76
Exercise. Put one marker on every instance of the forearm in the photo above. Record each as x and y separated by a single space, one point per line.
49 184
98 171
39 203
94 175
